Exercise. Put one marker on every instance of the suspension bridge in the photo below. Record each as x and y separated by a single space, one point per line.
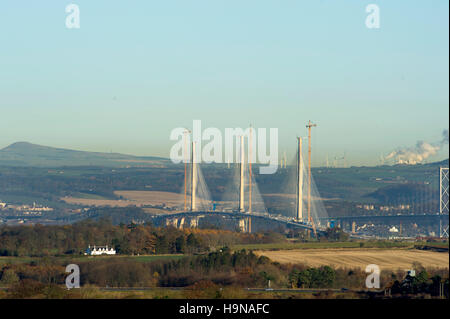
243 200
242 203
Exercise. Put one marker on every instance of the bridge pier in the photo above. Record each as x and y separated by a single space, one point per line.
182 222
172 222
194 221
242 225
238 221
245 225
344 225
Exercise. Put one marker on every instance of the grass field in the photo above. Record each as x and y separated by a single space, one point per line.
15 260
141 258
386 259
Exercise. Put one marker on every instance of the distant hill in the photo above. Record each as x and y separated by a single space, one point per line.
443 163
27 154
401 192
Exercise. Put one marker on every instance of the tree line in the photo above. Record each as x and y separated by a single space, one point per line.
129 239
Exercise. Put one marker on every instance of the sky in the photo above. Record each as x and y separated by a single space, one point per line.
135 70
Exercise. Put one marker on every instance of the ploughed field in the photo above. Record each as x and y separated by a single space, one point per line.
386 259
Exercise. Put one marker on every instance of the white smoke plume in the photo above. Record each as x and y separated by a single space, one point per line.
419 153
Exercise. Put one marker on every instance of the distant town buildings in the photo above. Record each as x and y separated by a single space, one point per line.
371 207
26 209
365 207
393 229
398 207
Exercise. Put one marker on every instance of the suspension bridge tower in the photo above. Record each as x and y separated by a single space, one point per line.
193 178
299 194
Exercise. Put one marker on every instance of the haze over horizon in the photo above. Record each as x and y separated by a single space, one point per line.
27 154
132 73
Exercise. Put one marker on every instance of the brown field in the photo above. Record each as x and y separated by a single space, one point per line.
97 202
139 198
134 198
142 198
153 197
391 259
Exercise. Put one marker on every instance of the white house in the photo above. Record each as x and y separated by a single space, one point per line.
100 250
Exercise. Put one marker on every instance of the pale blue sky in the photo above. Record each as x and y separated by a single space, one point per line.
137 69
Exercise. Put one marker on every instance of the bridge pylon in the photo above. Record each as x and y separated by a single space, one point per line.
299 193
242 177
193 179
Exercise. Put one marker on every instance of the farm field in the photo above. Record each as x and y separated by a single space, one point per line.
96 202
169 199
152 197
387 259
322 245
132 198
137 198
